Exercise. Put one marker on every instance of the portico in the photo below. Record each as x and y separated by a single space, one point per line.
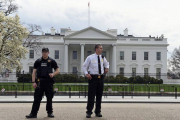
81 44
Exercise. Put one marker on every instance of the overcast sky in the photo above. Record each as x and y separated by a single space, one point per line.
141 17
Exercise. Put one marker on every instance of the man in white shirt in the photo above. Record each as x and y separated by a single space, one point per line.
95 67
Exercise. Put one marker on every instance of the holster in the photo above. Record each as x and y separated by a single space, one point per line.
37 81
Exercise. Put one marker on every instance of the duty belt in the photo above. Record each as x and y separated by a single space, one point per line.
97 75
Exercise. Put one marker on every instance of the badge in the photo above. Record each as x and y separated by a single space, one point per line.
99 76
102 60
49 60
38 80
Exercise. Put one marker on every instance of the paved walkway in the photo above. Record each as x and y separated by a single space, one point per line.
82 99
110 111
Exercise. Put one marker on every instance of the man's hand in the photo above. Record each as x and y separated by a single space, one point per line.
34 85
88 76
106 70
51 75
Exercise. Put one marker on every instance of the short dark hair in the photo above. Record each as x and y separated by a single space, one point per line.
97 46
45 49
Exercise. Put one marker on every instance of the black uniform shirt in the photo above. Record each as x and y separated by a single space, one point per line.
53 64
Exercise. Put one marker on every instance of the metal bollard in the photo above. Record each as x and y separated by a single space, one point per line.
15 91
175 92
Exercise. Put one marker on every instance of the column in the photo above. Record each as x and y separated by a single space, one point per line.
82 57
114 59
66 58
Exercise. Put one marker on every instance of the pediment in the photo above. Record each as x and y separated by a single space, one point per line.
30 63
134 64
146 65
75 63
158 65
121 64
90 33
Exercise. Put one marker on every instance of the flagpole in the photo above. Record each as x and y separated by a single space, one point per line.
89 14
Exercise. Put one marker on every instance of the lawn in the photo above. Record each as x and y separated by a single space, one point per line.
71 87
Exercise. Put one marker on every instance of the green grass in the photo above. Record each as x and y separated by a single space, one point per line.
63 87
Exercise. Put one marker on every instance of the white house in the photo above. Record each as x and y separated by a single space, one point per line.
125 53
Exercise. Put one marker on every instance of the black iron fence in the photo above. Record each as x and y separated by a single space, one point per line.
124 84
81 89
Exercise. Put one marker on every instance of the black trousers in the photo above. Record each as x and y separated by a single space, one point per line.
38 94
95 89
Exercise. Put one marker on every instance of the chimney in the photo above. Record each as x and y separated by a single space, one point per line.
52 31
126 32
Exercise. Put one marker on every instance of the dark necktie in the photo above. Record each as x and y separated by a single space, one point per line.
99 65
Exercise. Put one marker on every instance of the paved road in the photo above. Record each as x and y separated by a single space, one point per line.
110 111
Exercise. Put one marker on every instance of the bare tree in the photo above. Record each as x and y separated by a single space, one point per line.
33 41
174 63
8 7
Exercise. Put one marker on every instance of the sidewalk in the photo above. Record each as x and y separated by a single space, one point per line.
82 99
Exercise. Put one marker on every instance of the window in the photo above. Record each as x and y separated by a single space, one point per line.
133 72
121 55
75 70
145 71
133 55
30 69
104 53
122 71
158 55
89 53
145 55
74 54
158 73
31 53
56 54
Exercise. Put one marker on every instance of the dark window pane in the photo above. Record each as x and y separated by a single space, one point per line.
158 55
133 72
74 54
121 55
30 70
158 73
31 54
75 70
56 54
145 55
122 71
104 53
145 71
89 53
133 55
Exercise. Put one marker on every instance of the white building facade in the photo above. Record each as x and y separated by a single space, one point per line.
126 54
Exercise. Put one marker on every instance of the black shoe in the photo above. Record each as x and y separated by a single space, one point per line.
31 116
98 115
50 115
88 115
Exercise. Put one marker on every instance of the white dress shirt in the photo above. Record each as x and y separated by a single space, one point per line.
91 64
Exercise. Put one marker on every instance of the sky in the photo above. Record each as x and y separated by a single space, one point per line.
141 17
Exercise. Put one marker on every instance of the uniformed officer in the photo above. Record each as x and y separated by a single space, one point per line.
44 82
93 68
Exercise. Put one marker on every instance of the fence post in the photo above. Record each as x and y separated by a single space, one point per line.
175 92
23 80
123 91
149 92
132 90
69 91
